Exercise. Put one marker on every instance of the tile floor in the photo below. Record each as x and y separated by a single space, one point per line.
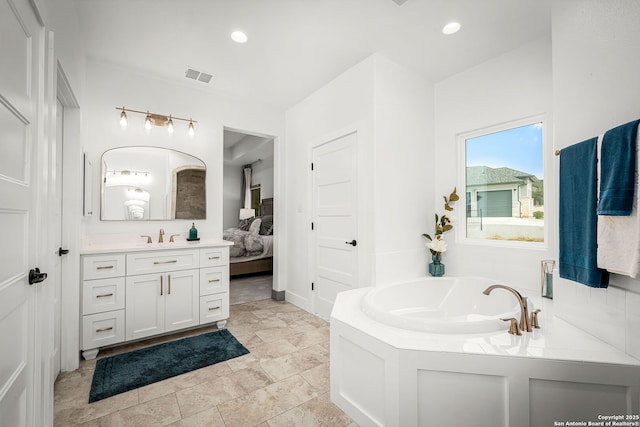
283 381
250 288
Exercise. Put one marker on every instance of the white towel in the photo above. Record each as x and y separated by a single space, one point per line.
619 236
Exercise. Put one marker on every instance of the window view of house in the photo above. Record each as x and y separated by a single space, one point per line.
504 184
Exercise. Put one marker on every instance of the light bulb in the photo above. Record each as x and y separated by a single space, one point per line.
451 28
147 122
191 130
123 118
239 37
170 125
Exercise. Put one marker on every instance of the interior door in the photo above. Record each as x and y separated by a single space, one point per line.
20 87
334 209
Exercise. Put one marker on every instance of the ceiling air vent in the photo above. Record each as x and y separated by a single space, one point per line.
204 77
198 75
400 2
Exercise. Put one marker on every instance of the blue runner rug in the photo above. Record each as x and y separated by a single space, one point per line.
123 372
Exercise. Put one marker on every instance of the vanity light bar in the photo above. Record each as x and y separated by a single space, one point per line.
153 119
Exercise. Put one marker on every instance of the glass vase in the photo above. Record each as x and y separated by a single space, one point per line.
436 267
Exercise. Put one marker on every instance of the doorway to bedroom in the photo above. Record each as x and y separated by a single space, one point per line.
248 214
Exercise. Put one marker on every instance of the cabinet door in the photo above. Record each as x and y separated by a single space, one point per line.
182 297
145 305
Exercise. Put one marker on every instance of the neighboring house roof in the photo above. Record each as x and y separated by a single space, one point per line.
484 175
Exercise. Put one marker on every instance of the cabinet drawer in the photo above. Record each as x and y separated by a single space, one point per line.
158 262
103 266
102 329
214 257
214 280
214 307
103 295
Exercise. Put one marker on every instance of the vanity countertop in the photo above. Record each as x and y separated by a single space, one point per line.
119 243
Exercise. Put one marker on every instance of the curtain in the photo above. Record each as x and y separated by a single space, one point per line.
246 186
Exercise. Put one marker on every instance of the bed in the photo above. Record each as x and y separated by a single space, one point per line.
252 251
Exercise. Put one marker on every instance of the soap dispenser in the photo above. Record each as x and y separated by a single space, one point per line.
193 232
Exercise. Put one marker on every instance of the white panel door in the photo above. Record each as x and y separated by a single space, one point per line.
334 209
20 87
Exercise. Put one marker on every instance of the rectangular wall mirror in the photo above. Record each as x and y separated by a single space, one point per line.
151 183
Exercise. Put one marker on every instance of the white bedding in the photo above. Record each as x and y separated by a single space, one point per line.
267 251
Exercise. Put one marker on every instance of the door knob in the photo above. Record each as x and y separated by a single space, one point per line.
62 251
35 276
352 243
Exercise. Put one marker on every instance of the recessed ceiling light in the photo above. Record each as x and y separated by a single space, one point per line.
451 28
239 37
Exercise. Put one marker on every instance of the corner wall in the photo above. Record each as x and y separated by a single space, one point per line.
596 87
344 102
393 108
404 171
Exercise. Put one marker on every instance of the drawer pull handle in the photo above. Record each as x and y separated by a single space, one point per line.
214 257
104 295
160 285
166 262
104 329
214 308
104 267
214 280
169 285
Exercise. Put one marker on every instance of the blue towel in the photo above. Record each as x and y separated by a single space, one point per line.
618 170
578 218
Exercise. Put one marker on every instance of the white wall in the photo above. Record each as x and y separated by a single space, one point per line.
596 87
512 86
110 86
404 174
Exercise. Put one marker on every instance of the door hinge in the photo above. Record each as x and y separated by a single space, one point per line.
311 165
312 226
312 286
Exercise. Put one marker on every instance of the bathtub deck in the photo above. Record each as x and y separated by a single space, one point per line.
556 339
386 376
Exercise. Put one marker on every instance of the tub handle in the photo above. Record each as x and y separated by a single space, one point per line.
514 329
534 319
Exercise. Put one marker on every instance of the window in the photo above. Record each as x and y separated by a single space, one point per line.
256 199
504 182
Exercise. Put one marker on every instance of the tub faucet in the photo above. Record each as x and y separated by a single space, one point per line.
525 321
160 239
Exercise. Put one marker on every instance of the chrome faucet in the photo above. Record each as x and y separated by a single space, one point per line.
525 321
160 239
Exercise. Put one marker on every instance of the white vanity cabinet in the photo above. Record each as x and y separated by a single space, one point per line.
133 295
